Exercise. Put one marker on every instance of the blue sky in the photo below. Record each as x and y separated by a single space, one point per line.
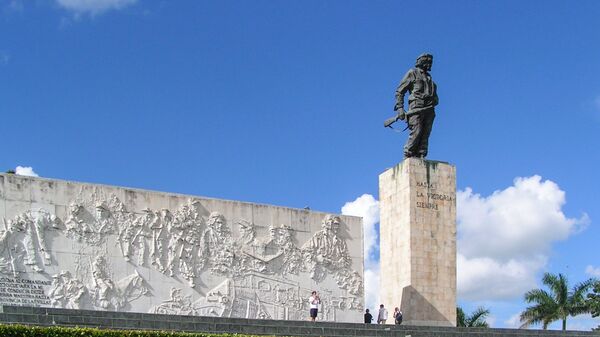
283 103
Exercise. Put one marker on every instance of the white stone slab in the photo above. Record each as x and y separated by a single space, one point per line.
86 246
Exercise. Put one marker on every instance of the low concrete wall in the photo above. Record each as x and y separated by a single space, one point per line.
142 321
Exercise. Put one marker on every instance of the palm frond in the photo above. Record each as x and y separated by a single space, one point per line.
477 318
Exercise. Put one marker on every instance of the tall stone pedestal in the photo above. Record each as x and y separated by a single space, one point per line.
418 241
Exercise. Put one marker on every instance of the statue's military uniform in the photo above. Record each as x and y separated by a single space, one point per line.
421 102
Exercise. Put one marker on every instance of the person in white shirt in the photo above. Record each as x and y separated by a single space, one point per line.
314 302
382 317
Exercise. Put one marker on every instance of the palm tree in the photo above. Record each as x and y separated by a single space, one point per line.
475 320
556 304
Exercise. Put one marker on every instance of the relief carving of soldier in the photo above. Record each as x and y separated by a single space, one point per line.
105 293
184 239
31 227
216 245
133 236
159 227
66 291
326 250
292 256
7 259
248 247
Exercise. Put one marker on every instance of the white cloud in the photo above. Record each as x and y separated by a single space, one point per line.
513 322
25 171
372 287
581 323
484 278
367 207
504 239
593 271
93 7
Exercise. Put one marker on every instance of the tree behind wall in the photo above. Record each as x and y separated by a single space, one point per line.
476 319
594 301
557 303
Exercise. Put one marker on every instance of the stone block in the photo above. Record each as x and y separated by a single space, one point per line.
418 241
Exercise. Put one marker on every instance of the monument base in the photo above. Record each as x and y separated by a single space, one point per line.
418 241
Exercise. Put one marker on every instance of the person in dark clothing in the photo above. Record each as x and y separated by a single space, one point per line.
398 315
368 317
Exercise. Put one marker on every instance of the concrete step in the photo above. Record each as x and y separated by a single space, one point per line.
143 321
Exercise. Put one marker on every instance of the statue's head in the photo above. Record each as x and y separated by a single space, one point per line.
165 214
272 231
424 61
101 210
216 220
331 223
246 227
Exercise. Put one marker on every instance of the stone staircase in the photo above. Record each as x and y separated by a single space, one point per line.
141 321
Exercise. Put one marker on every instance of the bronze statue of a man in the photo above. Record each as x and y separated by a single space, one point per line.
421 106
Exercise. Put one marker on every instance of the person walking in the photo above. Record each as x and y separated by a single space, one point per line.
398 316
383 314
368 317
314 302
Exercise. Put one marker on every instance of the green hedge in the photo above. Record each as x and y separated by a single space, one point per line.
34 331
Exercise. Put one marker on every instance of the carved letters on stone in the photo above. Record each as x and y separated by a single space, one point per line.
187 244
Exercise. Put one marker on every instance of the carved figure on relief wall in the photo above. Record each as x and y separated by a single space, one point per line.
7 254
271 248
216 249
75 223
105 293
326 250
247 234
176 233
184 239
114 296
119 211
349 280
248 245
292 256
159 229
104 220
143 235
30 228
66 291
87 227
280 243
133 234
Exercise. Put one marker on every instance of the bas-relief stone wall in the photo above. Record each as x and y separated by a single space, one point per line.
84 246
418 241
